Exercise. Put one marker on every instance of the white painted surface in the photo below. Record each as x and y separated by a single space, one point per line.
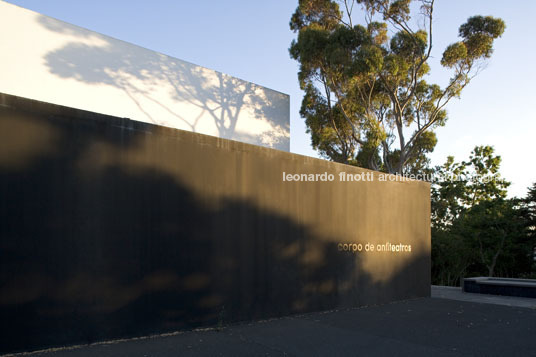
52 61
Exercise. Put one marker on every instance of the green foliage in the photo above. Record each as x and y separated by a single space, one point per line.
366 101
323 12
466 184
451 256
476 230
529 204
478 34
453 54
498 236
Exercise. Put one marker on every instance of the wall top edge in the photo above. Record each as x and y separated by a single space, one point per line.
34 106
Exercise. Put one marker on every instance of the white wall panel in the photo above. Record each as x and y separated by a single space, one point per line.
49 60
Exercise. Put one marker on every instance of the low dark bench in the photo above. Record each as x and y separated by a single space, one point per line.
500 286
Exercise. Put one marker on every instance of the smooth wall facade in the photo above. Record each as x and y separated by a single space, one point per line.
56 62
115 228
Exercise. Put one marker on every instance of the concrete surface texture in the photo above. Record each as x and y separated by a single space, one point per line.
56 62
456 293
420 327
113 228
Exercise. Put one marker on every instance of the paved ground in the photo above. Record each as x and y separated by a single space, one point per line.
421 327
447 292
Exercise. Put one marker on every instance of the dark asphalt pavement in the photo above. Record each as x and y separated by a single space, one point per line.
420 327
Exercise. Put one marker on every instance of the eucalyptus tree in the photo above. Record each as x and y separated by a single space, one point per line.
366 99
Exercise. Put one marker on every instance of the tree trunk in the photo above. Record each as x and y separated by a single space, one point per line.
491 269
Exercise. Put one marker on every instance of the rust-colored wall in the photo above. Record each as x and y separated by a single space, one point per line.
113 228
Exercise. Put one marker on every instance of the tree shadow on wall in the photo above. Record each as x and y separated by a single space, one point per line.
93 252
193 97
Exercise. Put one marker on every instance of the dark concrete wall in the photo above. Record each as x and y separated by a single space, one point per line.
113 228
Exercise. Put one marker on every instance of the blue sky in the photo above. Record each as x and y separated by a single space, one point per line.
250 40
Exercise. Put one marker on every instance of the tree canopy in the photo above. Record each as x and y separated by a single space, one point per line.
476 229
366 100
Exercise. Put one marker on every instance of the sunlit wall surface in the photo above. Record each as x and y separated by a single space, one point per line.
114 228
56 62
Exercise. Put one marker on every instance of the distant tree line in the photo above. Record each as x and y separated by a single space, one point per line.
476 229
